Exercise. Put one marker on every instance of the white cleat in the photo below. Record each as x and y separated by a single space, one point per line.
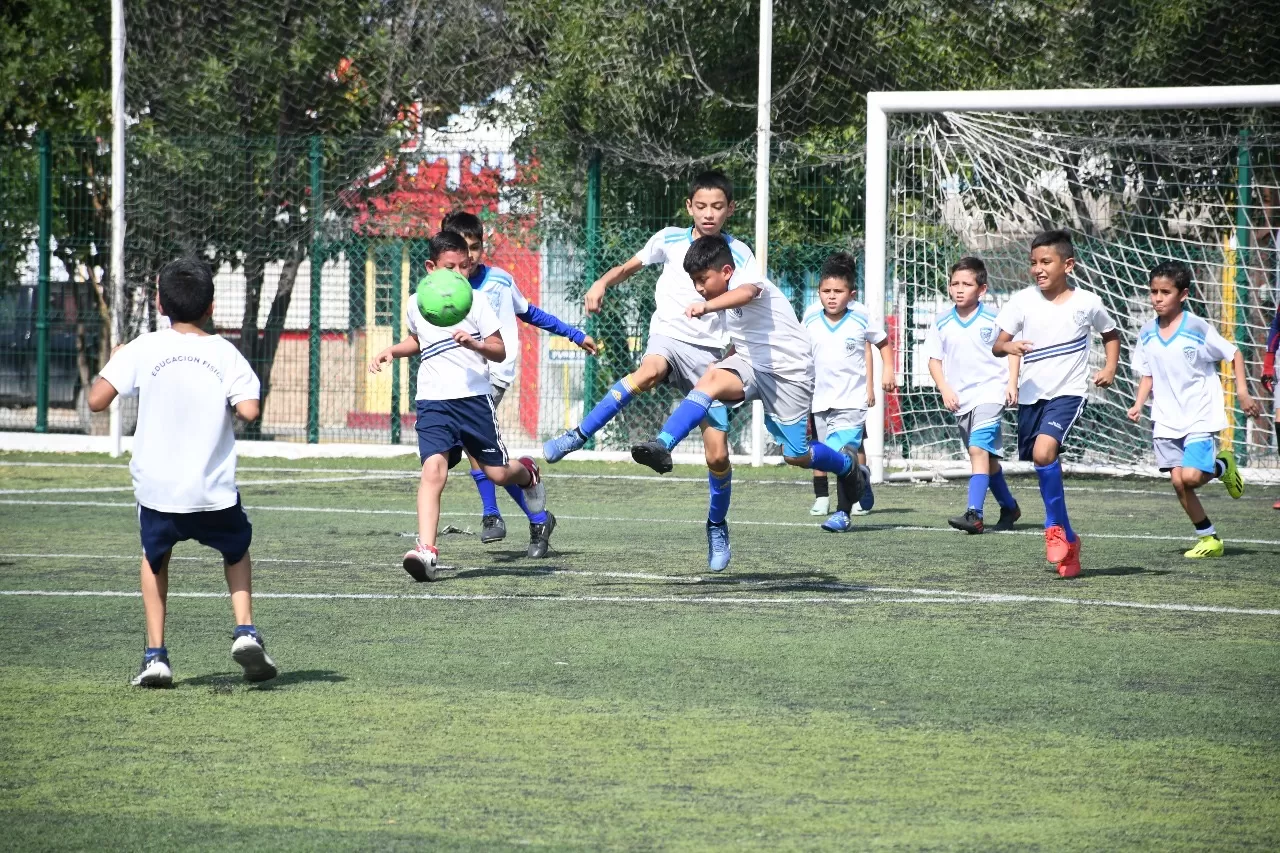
154 673
821 506
248 651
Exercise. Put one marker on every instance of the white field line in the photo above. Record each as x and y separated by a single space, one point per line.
870 528
390 475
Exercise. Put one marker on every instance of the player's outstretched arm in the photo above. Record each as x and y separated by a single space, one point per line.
404 349
1139 401
949 398
491 347
1111 345
736 298
595 294
1248 405
549 322
1006 345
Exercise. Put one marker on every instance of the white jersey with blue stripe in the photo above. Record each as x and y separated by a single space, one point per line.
840 356
446 370
1058 365
675 291
1186 394
507 302
964 347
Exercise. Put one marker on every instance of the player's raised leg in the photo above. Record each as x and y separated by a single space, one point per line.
523 482
1062 545
652 370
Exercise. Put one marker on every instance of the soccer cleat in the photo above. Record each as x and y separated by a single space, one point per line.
1231 474
562 445
1055 544
535 494
1208 546
1276 505
868 500
1069 566
1009 516
839 522
420 563
821 506
854 481
155 672
718 552
540 537
250 652
970 522
654 454
492 529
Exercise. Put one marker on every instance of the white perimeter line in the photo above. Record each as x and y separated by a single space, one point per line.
666 599
870 528
292 481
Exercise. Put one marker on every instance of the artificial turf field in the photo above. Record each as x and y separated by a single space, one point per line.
901 686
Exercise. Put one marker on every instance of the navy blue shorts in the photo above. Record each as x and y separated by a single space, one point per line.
1053 417
227 531
470 422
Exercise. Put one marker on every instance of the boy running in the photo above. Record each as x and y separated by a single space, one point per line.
184 457
771 362
976 386
455 412
1053 321
1177 357
509 304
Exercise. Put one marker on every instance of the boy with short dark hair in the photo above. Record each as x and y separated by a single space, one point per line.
509 304
1053 321
189 384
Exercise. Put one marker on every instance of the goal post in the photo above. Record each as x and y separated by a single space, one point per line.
963 134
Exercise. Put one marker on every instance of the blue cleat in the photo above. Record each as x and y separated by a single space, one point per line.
562 445
718 553
839 522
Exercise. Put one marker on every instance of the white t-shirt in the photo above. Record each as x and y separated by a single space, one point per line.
766 332
964 347
1059 364
507 302
675 291
840 356
1186 394
184 449
447 371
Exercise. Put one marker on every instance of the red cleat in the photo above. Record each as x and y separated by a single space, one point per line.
1276 505
1070 565
1055 544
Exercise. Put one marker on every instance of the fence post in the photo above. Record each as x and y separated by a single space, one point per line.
317 265
1243 192
397 315
42 286
592 272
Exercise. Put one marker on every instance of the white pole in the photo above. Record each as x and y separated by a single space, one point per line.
874 262
117 200
764 96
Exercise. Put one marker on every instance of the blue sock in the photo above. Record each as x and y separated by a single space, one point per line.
721 492
1055 499
826 459
978 491
488 494
155 652
620 393
517 495
688 414
1000 490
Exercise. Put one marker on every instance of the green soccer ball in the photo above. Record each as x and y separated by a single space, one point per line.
444 297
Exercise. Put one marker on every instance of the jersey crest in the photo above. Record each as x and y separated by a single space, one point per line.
736 312
495 300
1189 353
1081 318
987 333
850 346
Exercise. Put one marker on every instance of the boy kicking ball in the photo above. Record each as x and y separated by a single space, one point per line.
1177 357
184 457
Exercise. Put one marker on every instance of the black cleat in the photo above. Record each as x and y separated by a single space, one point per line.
540 537
970 522
492 529
653 454
854 482
1008 515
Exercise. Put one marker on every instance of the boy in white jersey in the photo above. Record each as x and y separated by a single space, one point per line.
840 335
681 348
509 304
1053 322
184 457
1177 357
455 412
771 362
976 386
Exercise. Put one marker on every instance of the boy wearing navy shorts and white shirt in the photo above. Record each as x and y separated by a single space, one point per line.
1053 322
189 383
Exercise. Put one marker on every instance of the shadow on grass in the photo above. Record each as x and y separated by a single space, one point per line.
1122 571
225 682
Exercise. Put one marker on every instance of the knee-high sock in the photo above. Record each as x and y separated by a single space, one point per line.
1000 490
690 412
488 494
978 491
619 394
517 495
823 458
721 483
821 489
1055 498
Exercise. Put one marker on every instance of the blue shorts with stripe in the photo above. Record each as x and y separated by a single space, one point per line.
466 422
226 531
1054 418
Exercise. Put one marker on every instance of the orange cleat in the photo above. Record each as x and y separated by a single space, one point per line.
1276 505
1055 544
1070 565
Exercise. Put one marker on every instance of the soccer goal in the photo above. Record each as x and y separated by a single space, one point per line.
1138 176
